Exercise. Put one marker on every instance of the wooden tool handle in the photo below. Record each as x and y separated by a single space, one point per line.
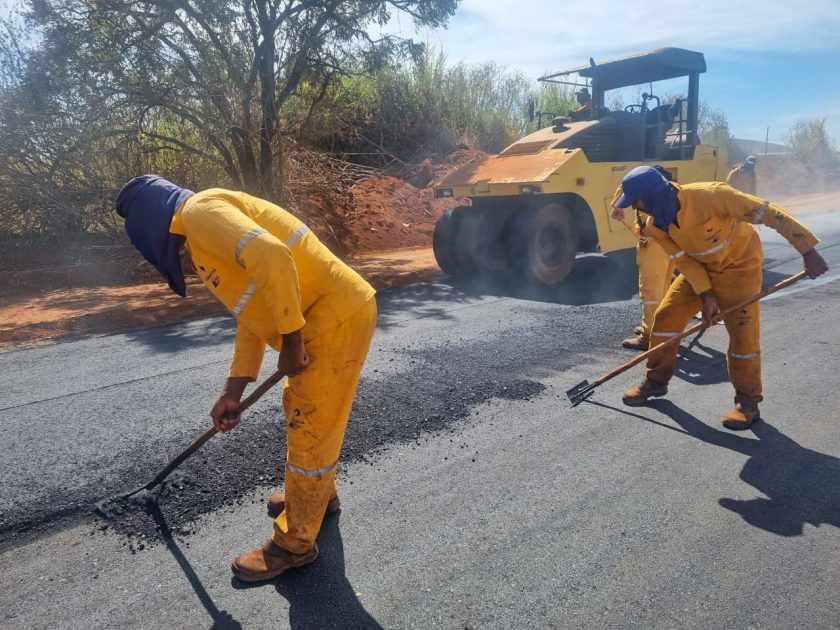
690 331
253 397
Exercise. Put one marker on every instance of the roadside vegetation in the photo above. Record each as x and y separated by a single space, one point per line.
281 99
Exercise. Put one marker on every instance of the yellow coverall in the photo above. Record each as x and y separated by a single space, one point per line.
656 270
716 248
745 181
276 277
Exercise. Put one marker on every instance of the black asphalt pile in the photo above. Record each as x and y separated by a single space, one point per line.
231 466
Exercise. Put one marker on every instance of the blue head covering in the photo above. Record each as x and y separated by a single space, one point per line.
649 185
147 203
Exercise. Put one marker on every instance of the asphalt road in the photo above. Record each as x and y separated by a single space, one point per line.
473 495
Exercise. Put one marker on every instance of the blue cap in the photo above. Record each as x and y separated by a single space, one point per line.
147 203
750 160
643 182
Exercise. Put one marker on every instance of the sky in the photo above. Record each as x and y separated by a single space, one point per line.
769 63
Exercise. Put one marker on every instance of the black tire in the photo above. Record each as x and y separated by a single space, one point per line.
486 242
548 244
448 246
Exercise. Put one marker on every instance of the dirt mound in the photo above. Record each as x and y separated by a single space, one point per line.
386 212
389 213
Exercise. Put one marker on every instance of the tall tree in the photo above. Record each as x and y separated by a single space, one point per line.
224 68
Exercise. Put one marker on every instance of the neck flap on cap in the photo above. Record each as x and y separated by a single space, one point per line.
147 203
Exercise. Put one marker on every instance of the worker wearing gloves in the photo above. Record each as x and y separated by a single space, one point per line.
656 271
743 176
705 229
288 291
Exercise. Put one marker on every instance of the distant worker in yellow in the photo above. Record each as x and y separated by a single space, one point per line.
656 271
743 176
705 229
287 291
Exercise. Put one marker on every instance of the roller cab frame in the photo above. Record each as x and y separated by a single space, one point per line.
546 198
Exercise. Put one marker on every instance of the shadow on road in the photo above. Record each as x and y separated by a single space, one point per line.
222 620
320 595
174 338
800 484
700 364
594 279
626 412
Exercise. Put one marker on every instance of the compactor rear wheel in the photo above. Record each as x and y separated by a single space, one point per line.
550 243
447 243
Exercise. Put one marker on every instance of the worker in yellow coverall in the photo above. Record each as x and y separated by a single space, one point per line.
656 271
706 229
288 291
743 176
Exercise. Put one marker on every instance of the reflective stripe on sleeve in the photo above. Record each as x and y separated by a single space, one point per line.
758 214
752 355
675 256
243 299
717 247
246 238
714 249
311 473
295 237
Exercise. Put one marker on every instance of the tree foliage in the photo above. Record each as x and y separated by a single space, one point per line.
224 68
95 91
811 144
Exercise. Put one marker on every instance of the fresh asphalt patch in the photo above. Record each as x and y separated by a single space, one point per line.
250 456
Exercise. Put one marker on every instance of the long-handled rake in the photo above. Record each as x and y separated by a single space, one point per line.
584 389
106 507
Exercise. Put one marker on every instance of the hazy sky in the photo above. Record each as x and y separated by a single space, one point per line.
770 62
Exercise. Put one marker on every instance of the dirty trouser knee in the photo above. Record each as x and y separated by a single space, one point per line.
317 405
656 270
676 309
743 359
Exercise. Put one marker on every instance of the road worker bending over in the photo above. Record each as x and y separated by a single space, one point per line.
743 176
656 271
705 228
288 291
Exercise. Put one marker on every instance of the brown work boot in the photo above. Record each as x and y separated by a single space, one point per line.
637 396
276 502
268 561
639 342
639 330
743 416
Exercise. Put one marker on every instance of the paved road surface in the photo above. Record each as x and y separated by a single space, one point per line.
473 495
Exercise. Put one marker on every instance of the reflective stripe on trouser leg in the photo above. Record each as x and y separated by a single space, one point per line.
675 311
743 360
317 406
656 271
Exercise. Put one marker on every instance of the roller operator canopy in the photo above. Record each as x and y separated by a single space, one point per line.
656 65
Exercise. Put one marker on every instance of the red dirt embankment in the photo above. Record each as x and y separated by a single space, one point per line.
383 229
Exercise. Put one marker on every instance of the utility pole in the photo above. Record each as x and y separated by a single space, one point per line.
766 140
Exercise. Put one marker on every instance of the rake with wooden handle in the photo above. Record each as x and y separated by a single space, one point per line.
584 389
105 507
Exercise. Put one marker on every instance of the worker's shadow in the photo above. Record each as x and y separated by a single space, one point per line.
320 595
800 484
700 364
222 620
